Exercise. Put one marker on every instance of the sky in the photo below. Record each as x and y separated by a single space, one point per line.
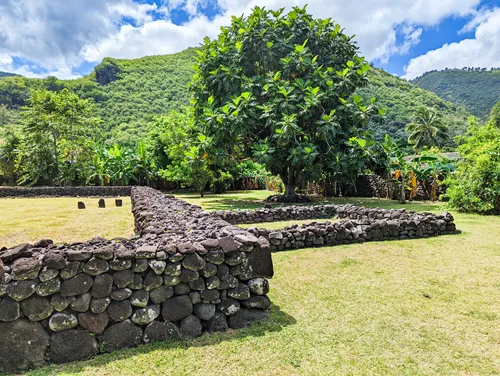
67 38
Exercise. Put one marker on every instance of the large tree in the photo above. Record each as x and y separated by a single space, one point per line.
427 128
56 129
279 87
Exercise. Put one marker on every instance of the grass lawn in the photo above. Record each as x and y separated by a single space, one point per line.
31 219
413 307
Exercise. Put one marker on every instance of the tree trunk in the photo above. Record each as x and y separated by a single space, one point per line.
290 190
403 189
291 179
202 193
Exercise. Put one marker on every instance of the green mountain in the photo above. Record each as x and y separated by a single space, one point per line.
477 90
401 98
128 93
7 74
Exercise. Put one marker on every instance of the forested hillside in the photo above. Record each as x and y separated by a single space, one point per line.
478 90
127 93
402 98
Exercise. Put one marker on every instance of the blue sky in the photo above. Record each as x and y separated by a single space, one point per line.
67 38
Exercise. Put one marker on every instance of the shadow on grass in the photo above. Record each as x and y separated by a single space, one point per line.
275 323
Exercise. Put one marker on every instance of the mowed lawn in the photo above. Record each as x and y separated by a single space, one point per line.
413 307
31 219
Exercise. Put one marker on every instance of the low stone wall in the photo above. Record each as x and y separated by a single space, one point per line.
361 225
285 213
185 272
65 191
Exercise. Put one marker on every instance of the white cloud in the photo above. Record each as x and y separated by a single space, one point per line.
481 51
60 34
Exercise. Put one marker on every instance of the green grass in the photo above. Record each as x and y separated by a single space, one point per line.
31 219
413 307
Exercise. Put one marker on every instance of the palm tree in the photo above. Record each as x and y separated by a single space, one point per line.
427 128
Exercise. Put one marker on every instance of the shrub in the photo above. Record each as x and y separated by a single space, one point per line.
274 183
475 186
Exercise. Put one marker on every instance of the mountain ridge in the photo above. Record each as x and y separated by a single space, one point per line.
129 92
477 89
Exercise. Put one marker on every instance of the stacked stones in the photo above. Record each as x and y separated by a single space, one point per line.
285 213
368 225
64 191
70 302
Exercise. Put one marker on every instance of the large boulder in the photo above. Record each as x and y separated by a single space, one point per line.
77 285
177 308
36 308
72 345
161 331
22 346
121 335
9 310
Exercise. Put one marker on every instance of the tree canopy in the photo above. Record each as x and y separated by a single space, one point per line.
280 87
427 128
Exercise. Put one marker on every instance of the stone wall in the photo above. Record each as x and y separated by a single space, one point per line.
285 213
64 191
185 272
359 225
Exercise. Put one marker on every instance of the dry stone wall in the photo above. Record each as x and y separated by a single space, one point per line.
64 191
359 225
185 272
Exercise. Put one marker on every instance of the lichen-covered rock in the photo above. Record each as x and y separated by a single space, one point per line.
152 281
121 294
25 268
22 346
240 292
171 280
259 286
103 284
120 311
72 345
210 295
176 308
144 316
20 290
59 302
48 288
36 308
99 305
140 298
157 266
229 306
96 323
188 275
122 335
96 266
70 270
160 294
209 270
77 285
81 303
123 278
9 310
173 269
193 262
215 257
161 331
62 321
